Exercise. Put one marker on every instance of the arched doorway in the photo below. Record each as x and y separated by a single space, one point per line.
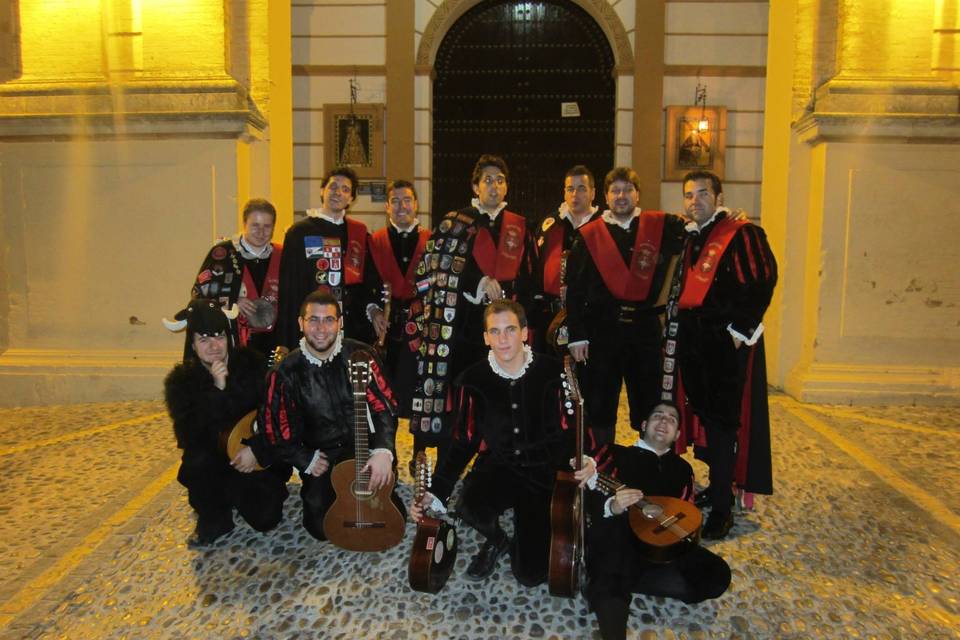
503 74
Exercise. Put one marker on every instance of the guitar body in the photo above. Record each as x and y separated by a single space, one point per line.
231 440
359 520
433 556
666 526
566 536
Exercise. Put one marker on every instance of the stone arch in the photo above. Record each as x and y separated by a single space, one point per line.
451 10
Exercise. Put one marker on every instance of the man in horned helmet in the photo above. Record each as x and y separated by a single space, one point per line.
206 395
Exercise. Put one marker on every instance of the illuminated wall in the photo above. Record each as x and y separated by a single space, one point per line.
131 133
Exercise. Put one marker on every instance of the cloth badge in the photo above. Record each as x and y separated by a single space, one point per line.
668 364
446 261
321 277
671 347
462 249
668 383
449 313
451 299
441 279
428 405
228 278
547 224
452 245
443 350
312 246
458 264
323 264
436 425
218 253
431 348
445 226
335 278
417 404
217 269
441 368
425 424
438 244
446 331
204 276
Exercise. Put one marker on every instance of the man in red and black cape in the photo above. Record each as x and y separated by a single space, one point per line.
245 270
328 251
476 254
554 239
616 273
727 280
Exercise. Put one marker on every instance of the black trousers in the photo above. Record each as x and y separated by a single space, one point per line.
610 364
491 489
616 569
714 373
215 489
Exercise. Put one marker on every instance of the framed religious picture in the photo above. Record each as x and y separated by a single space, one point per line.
354 138
696 139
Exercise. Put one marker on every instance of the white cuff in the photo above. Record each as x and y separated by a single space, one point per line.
607 511
477 299
309 469
577 343
384 450
370 308
436 506
752 340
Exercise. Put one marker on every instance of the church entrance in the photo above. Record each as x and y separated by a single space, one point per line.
532 82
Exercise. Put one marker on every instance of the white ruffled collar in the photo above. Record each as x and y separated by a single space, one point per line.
693 227
246 250
319 362
475 203
323 215
564 211
609 218
527 361
410 229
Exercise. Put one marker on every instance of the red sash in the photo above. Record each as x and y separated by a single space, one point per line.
270 293
355 253
503 262
382 253
631 284
552 254
699 277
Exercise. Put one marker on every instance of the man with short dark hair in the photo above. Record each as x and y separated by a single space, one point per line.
206 395
617 565
308 414
553 242
327 251
729 273
245 270
509 415
619 274
476 254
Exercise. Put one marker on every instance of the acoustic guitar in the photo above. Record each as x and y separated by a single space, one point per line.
667 527
231 440
360 519
566 504
435 545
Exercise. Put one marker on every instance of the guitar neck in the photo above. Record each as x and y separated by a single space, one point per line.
360 438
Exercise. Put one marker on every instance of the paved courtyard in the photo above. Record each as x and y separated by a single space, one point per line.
861 540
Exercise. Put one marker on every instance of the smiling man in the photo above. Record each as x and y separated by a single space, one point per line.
616 564
327 251
308 415
619 272
245 270
512 404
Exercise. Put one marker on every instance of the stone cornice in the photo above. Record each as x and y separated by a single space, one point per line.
190 106
815 128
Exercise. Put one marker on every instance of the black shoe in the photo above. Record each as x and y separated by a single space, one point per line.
718 525
203 537
483 564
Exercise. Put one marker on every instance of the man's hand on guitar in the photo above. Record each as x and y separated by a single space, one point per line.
380 466
624 498
418 509
587 470
244 461
379 319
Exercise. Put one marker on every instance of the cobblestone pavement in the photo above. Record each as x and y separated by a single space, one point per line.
860 541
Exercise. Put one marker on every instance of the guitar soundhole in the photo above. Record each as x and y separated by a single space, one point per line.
360 492
652 511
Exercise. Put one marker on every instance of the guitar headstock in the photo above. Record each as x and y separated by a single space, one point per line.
278 354
386 293
422 475
571 387
360 370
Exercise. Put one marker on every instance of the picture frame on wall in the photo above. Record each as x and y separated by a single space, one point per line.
354 138
690 145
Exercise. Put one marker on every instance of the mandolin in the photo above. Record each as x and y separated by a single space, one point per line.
360 519
387 298
566 504
231 440
435 545
667 527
